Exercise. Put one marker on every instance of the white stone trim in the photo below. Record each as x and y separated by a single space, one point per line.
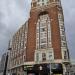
47 51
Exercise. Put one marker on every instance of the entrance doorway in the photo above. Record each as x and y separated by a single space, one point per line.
38 69
37 72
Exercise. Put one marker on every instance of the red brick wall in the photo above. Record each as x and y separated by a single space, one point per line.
31 41
56 40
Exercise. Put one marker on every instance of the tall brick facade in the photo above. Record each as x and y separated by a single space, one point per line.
42 38
52 11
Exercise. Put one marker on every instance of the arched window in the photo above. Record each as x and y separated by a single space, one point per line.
43 32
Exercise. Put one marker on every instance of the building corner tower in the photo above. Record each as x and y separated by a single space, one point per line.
39 47
46 41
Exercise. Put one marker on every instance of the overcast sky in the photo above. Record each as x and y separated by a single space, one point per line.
14 13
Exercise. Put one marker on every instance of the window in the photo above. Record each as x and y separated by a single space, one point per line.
24 58
57 0
43 29
65 54
43 40
43 2
43 56
63 33
60 18
50 55
63 38
38 0
43 35
34 4
43 32
37 56
43 46
63 44
62 27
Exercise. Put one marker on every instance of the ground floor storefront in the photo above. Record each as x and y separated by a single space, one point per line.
39 69
45 69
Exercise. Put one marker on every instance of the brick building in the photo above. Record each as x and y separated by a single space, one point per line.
40 44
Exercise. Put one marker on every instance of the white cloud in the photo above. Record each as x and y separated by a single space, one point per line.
13 13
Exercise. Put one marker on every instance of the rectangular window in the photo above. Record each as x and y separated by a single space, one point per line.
63 44
34 4
24 58
42 3
62 32
43 29
43 40
50 55
65 54
42 0
63 38
38 0
43 46
61 27
43 56
44 34
37 56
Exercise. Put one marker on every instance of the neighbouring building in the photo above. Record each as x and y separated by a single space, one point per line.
2 62
39 47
